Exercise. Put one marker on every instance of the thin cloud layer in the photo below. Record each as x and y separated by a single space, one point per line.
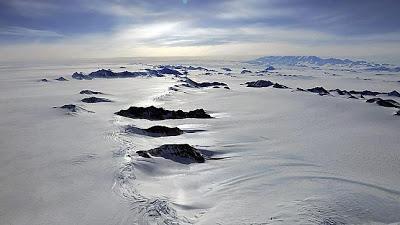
188 27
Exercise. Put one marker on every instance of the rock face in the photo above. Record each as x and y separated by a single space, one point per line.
341 92
109 74
153 113
318 90
265 83
259 83
167 70
191 83
245 71
61 79
182 153
276 85
384 102
89 92
266 70
366 92
44 80
81 76
394 93
95 100
164 131
71 108
227 69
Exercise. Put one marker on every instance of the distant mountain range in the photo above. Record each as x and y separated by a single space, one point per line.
317 61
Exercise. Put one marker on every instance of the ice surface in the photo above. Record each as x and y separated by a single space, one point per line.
285 156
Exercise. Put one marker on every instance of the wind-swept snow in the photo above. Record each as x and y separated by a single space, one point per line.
269 155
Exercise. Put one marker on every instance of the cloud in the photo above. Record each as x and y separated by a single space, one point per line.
146 28
27 32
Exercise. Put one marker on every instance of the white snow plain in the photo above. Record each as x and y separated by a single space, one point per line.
288 157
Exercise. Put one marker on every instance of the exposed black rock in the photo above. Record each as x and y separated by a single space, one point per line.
259 83
341 92
153 113
366 92
71 108
122 67
245 71
44 80
61 79
164 131
227 88
318 90
167 70
89 92
276 85
95 100
191 83
196 68
182 153
226 69
384 102
394 93
268 69
110 74
81 76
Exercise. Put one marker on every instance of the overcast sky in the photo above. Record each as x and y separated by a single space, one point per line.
49 29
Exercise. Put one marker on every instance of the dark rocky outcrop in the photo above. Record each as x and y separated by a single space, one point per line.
276 85
110 74
44 80
318 90
154 131
182 153
193 84
394 94
61 79
245 71
341 92
71 108
227 69
266 70
81 76
89 92
259 83
164 131
384 102
95 100
362 93
365 92
167 70
153 113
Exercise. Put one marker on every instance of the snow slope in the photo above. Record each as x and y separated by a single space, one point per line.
287 157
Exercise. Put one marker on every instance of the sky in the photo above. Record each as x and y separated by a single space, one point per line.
55 29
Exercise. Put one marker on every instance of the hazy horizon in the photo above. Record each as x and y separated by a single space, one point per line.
57 30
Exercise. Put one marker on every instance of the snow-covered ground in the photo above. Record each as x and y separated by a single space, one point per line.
288 156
